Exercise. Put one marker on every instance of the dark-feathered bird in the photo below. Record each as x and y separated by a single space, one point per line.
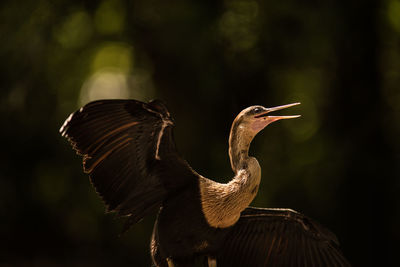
130 155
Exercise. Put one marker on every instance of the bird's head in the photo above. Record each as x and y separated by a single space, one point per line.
245 127
255 118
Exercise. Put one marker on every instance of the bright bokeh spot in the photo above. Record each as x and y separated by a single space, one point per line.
113 55
104 85
114 76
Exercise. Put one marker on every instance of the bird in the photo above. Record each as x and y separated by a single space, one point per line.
130 155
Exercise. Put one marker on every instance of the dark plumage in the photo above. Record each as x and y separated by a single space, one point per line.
129 153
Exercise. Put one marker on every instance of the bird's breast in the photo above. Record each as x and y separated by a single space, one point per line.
222 204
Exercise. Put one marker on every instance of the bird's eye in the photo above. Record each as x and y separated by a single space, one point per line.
257 110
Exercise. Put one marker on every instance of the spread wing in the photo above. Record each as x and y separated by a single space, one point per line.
129 153
279 237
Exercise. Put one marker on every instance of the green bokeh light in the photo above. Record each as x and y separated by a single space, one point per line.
75 31
110 17
117 55
394 14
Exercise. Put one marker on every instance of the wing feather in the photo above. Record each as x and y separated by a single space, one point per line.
129 153
279 237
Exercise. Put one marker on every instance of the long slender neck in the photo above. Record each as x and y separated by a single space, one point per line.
223 203
247 170
239 143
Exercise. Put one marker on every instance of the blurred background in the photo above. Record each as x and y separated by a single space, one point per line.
339 163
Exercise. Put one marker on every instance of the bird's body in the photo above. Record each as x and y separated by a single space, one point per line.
210 209
189 237
130 155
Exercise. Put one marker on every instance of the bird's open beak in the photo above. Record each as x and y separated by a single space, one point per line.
275 118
